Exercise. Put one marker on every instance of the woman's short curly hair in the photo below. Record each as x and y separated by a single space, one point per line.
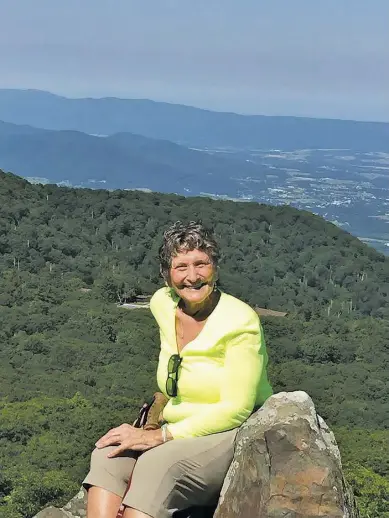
186 236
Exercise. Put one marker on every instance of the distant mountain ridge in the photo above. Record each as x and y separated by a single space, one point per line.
120 161
188 125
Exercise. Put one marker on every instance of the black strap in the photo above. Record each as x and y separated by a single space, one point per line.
143 413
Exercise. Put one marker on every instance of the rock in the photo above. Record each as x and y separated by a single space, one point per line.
286 465
52 512
76 508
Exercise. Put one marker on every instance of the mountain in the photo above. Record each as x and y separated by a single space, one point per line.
349 188
188 125
122 160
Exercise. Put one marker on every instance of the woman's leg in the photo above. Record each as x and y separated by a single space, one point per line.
107 481
133 513
102 503
179 475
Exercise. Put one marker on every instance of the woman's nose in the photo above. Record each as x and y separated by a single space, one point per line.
192 274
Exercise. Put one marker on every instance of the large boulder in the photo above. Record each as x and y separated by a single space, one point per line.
286 465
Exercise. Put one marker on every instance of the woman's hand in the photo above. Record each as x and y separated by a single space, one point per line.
128 437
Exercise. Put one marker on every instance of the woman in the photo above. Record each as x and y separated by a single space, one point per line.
212 365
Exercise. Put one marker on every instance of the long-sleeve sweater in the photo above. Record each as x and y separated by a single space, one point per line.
222 376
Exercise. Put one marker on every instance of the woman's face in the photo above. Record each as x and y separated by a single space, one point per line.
192 276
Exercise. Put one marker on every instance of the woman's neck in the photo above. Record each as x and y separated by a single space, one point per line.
203 309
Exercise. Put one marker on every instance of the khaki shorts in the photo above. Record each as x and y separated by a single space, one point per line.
171 477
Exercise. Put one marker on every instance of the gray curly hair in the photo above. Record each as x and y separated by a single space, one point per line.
186 236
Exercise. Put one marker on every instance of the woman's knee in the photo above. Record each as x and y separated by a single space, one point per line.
120 467
99 456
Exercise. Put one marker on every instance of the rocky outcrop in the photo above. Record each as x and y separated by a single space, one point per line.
286 465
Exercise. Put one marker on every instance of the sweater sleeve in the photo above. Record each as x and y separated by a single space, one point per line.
244 365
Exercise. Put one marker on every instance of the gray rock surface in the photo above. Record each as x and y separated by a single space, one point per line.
286 465
76 508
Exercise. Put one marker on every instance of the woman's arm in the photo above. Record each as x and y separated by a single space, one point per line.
244 374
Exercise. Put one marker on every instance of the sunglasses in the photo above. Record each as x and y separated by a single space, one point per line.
172 374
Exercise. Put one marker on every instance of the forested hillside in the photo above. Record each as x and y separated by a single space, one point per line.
73 363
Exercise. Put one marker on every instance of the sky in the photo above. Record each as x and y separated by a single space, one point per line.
310 58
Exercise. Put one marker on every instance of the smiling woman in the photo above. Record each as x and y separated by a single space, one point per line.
212 367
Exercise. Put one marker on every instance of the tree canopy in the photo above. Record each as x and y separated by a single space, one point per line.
73 363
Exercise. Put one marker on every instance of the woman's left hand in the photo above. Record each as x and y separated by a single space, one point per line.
128 437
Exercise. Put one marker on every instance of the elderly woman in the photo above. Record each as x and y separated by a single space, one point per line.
212 366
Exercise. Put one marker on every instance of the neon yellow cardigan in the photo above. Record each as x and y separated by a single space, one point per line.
222 376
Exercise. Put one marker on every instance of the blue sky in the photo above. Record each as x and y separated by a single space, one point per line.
278 57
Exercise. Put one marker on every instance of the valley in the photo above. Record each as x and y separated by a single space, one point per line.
350 189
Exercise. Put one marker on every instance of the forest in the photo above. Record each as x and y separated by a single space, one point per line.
74 362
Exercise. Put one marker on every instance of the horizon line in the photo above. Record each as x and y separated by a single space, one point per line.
190 106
